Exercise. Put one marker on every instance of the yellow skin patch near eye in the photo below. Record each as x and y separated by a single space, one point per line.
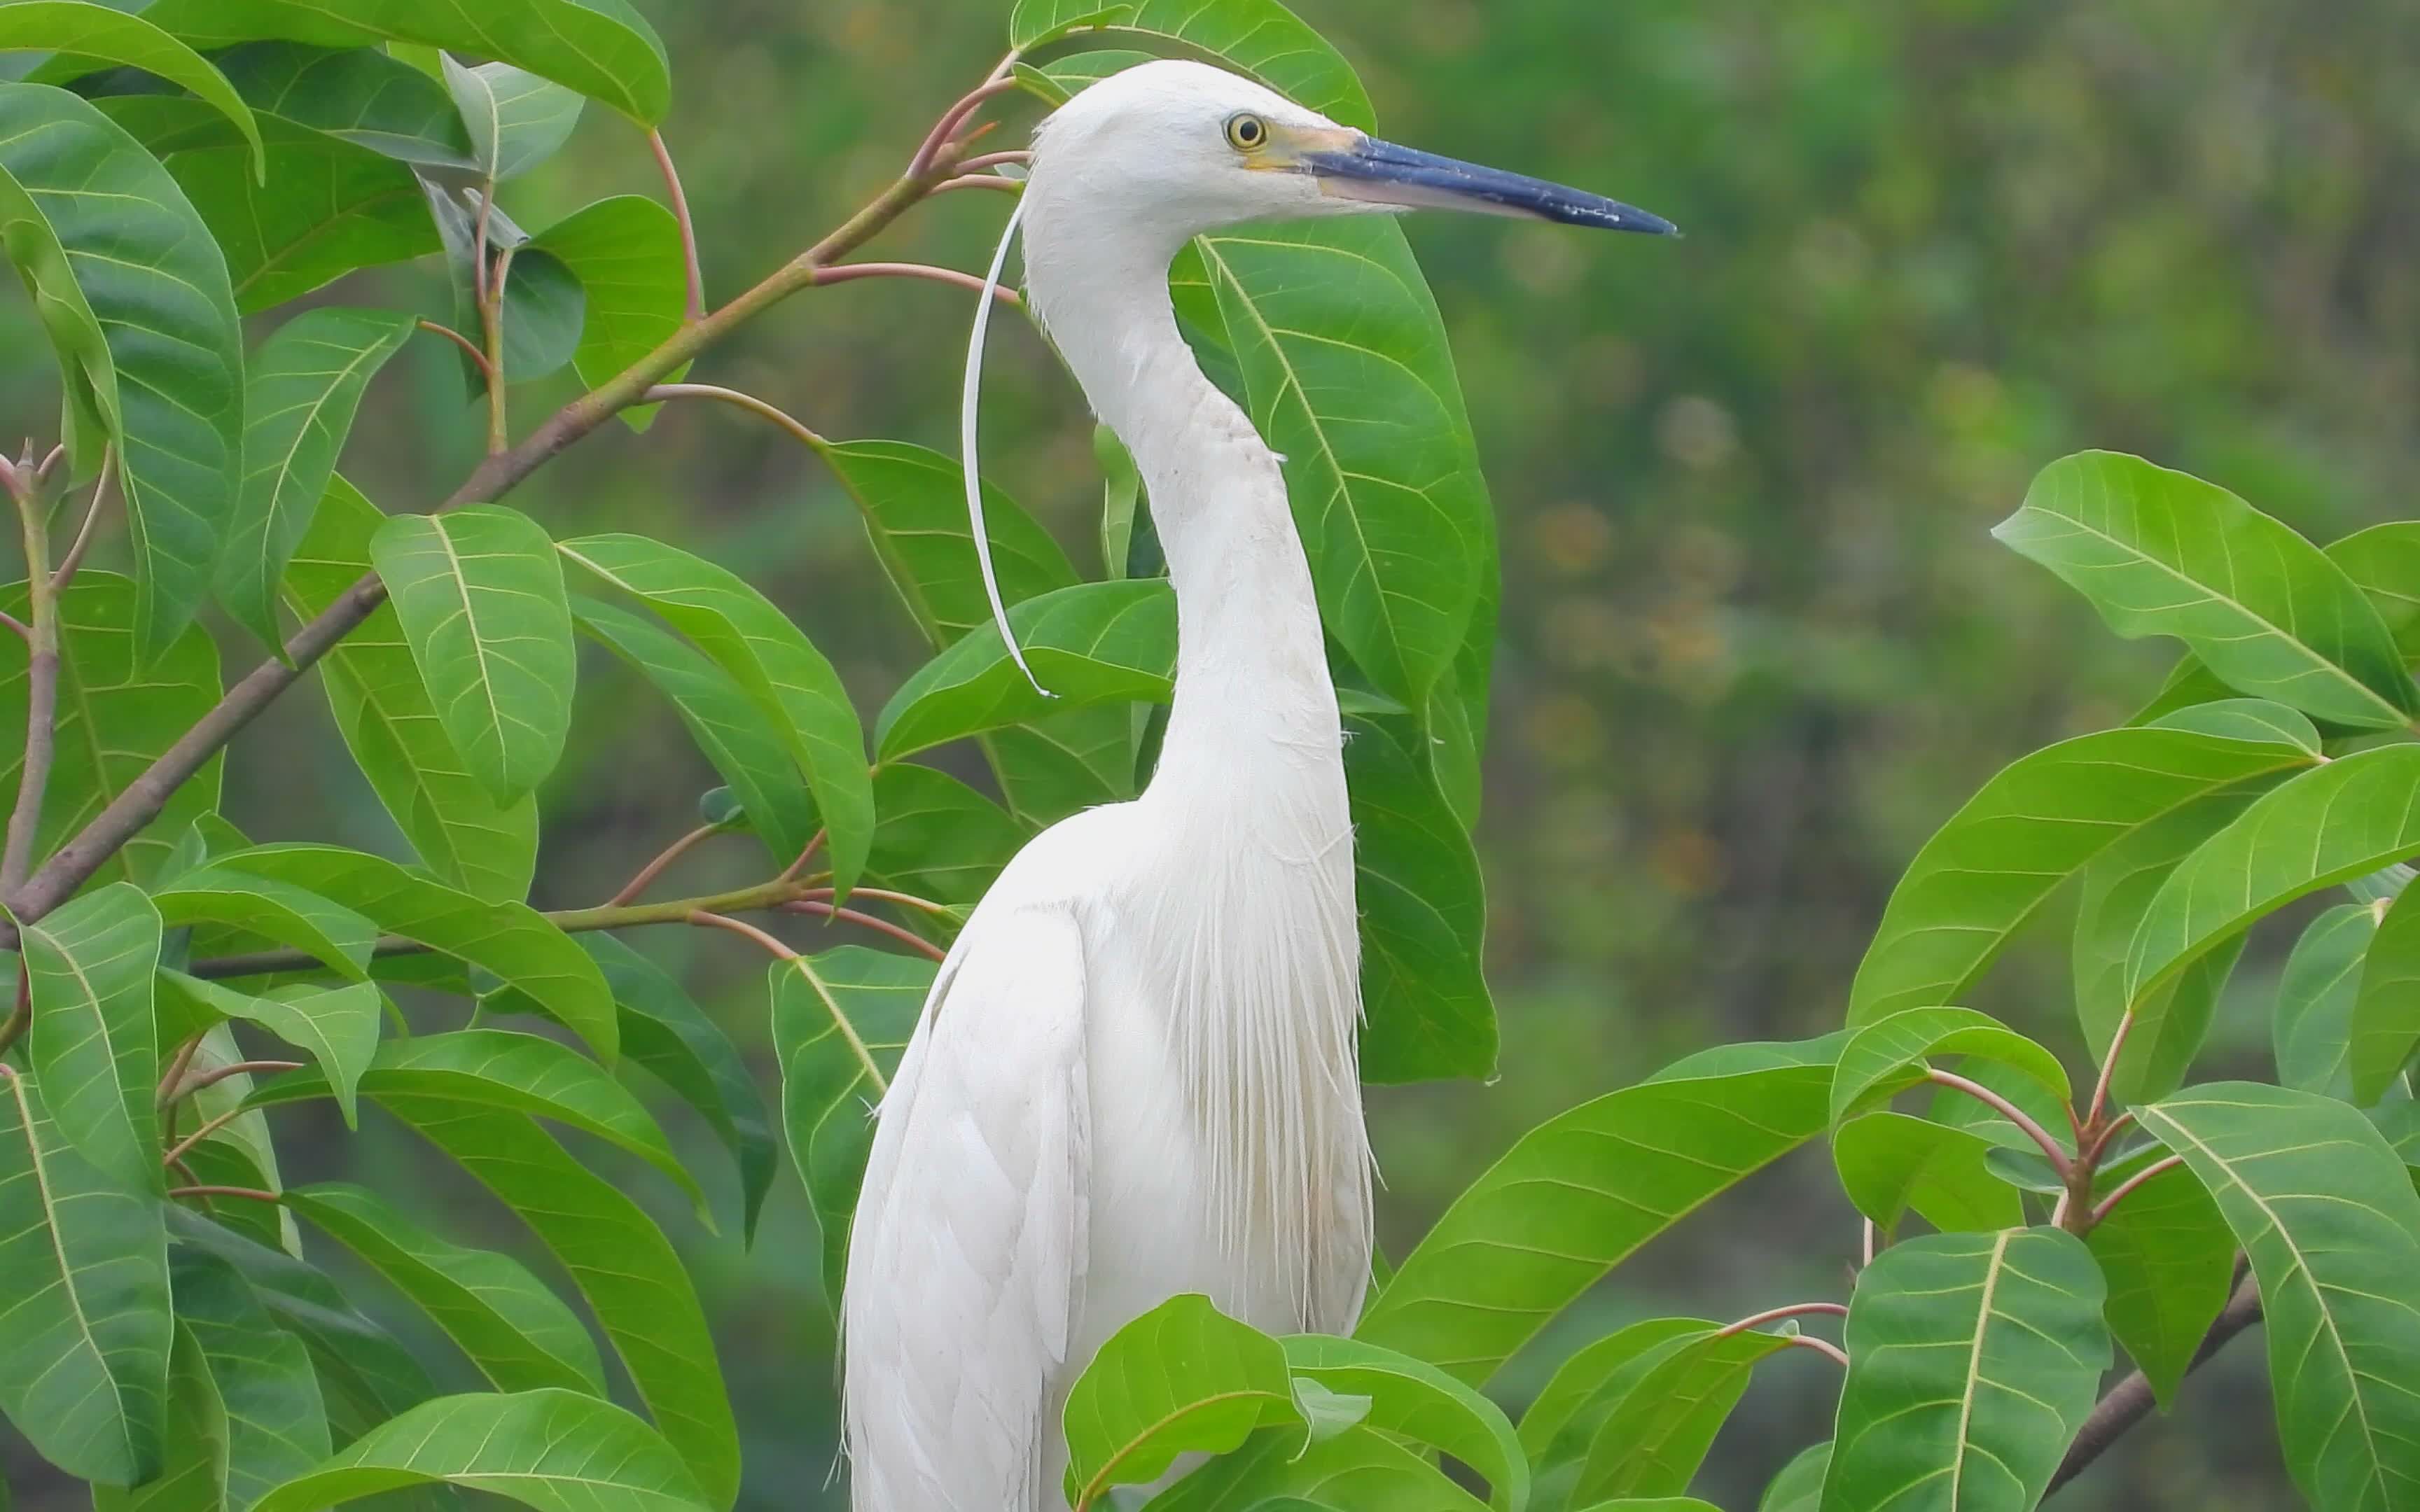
1280 148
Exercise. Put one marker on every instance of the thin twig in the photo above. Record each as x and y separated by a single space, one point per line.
815 843
43 472
479 245
464 342
2108 1132
183 1146
904 900
695 309
176 1067
41 684
2157 1167
1796 1309
1824 1346
252 1192
980 180
22 630
655 869
2109 1066
2130 1400
745 401
82 541
993 160
880 926
967 105
1865 1245
238 1067
493 313
842 272
740 926
2058 1157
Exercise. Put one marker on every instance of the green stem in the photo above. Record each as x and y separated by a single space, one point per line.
41 681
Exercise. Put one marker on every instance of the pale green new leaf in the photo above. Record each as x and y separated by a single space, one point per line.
1972 1359
85 1336
2164 553
1986 871
92 1041
1183 1377
2312 1027
1415 1401
2169 1258
520 1334
2386 1006
92 34
1258 37
480 596
304 385
134 295
557 1451
276 1421
2327 1215
516 119
1582 1190
781 670
1889 1051
1890 1162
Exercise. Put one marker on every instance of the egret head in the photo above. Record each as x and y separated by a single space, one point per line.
1178 148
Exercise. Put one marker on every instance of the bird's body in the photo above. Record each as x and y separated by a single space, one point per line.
1135 1076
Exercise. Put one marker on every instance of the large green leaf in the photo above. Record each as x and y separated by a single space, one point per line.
1344 359
2164 553
841 1019
513 940
276 1421
1582 1190
597 47
357 94
2385 1023
305 383
1986 871
384 713
626 251
194 1468
93 1043
519 1073
2169 1260
2312 1027
1972 1359
1416 1400
1183 1377
2339 822
914 506
2385 562
280 911
1111 642
1426 1011
938 838
95 32
1883 1052
115 719
479 593
2327 1213
1559 1423
1890 1162
1258 37
84 1335
621 1261
134 295
558 1451
1655 1437
1799 1487
520 1334
789 679
516 119
728 725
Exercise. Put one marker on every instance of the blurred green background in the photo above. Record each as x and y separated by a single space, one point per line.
1756 640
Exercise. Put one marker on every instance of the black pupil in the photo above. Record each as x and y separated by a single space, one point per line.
1248 129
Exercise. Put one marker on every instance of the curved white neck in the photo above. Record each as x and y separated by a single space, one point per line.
1252 682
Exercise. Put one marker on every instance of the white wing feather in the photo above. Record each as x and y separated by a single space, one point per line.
967 1259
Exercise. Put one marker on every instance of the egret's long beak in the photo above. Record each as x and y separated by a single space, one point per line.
1385 174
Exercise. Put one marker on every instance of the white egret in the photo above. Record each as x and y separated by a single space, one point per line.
1135 1074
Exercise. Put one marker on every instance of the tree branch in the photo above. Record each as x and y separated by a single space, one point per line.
880 926
655 869
468 345
2157 1167
744 401
695 309
844 271
2130 1400
74 558
2058 1158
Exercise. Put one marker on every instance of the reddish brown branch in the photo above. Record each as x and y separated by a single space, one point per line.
2039 1135
2157 1167
655 869
1796 1309
950 118
741 927
468 345
880 926
83 543
749 402
842 272
696 306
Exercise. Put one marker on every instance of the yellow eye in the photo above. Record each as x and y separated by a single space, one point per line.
1247 133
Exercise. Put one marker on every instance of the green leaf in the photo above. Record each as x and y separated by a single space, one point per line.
2254 719
558 1451
1972 1359
2312 1028
518 1073
1655 1437
2327 1215
1426 1011
1063 78
513 940
133 293
90 962
391 727
480 594
1358 1469
2169 1260
276 1423
544 311
841 1019
356 94
1581 1191
625 251
330 205
2385 1023
84 1345
597 47
278 910
1257 37
1800 1485
1093 643
1415 1401
621 1263
516 119
194 1468
1986 871
913 502
2330 824
1121 500
1183 1377
789 679
727 724
90 32
2385 562
339 1029
938 838
115 719
1890 1162
1559 1423
299 398
2164 553
519 1334
1887 1049
2119 885
1346 365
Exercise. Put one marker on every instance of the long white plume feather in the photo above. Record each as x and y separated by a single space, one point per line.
969 460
